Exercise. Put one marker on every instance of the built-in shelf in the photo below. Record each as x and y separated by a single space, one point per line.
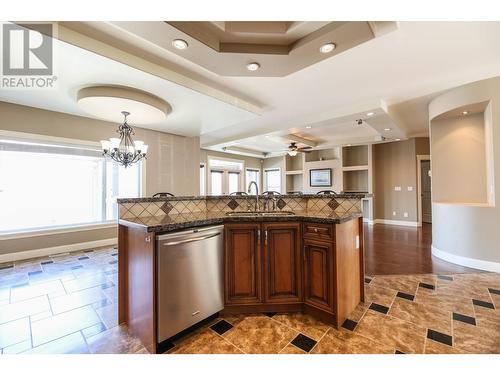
294 172
356 168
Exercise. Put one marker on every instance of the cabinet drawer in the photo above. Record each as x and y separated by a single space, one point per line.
318 231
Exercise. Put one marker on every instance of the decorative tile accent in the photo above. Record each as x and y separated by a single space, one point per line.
488 305
398 352
367 280
407 296
303 342
232 204
494 291
464 318
221 327
439 337
280 204
379 308
166 207
426 286
444 277
349 324
270 314
333 204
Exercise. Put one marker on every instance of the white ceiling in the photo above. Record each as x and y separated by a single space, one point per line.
192 113
395 75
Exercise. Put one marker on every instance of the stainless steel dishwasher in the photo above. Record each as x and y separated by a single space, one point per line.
190 278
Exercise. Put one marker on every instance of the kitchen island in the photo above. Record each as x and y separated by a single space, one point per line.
307 256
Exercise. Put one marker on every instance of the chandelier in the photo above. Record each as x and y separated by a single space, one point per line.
123 150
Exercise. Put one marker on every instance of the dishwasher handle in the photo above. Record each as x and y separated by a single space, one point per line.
194 239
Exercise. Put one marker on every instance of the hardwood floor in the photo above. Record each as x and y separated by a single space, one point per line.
398 250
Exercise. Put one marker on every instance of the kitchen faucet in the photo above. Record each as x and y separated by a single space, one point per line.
256 193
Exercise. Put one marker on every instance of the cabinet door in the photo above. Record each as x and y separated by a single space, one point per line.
318 274
242 263
282 263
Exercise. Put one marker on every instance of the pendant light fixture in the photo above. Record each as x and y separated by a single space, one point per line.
124 150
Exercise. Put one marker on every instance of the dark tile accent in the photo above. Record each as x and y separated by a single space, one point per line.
303 342
270 314
114 255
88 251
379 308
444 277
6 266
368 280
221 327
113 262
464 318
280 204
47 262
478 302
439 337
409 297
33 273
76 267
398 352
83 258
494 291
349 324
111 272
426 286
232 204
164 346
166 207
333 204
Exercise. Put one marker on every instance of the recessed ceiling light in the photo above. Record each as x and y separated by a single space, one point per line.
387 129
349 145
370 113
267 135
253 66
180 44
398 139
327 47
465 113
308 127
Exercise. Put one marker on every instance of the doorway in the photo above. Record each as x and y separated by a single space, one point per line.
424 189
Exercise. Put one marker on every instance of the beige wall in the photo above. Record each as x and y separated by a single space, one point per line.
395 164
459 160
172 163
466 233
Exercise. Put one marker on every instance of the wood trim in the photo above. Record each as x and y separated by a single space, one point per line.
420 158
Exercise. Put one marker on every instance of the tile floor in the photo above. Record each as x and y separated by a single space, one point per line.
68 304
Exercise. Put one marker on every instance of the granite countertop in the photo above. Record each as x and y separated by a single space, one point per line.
168 223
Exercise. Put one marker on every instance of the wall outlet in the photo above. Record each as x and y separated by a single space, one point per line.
393 213
405 214
357 242
397 188
410 188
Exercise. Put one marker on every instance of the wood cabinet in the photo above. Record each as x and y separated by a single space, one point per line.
319 274
282 262
242 263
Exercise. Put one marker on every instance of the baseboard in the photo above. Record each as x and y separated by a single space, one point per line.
10 257
368 221
466 262
396 222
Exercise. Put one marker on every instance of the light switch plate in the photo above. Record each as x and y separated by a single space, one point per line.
397 188
410 188
405 214
357 242
393 213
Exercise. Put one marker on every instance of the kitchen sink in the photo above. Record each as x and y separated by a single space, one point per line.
260 213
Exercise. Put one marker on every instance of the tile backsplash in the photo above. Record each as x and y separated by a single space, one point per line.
141 207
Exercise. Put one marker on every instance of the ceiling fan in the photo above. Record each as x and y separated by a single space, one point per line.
293 149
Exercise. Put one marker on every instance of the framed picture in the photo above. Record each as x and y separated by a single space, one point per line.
320 177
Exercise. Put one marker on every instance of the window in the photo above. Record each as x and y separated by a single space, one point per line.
202 179
252 175
225 175
44 185
272 180
216 182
